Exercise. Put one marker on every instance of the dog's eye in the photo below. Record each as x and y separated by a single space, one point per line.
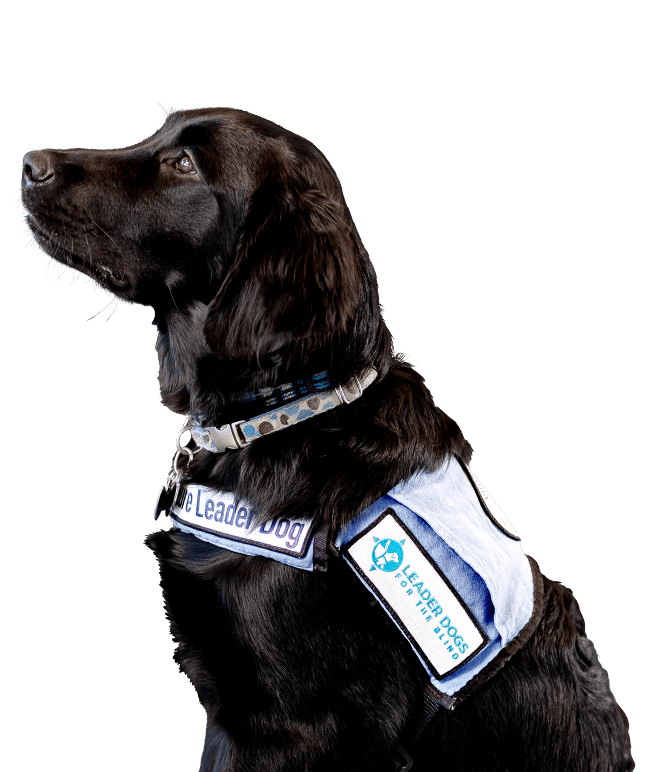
185 165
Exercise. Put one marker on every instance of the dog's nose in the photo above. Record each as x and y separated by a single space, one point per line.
38 166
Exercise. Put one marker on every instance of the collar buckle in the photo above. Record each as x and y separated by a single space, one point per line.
218 439
225 437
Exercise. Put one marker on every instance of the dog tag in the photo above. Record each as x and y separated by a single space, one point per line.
166 500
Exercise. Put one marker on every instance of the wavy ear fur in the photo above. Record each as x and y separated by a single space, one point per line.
296 274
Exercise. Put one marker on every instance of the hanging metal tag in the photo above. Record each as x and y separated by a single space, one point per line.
165 501
170 490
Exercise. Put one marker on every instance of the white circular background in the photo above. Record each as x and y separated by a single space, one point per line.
470 295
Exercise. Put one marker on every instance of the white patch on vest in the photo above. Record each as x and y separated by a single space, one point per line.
218 512
416 594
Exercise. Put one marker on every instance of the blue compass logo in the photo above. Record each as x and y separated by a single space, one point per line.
387 554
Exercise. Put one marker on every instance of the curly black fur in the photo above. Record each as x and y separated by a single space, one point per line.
236 232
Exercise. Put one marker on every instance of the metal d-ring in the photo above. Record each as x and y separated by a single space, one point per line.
187 427
182 452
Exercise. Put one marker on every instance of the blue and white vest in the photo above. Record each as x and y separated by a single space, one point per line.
452 578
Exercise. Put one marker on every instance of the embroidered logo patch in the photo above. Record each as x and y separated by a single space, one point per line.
219 513
417 595
387 554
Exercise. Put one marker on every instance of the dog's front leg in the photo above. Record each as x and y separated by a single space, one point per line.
297 754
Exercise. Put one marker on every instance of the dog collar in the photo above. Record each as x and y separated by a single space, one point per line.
240 433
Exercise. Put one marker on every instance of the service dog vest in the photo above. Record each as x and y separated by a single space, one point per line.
452 578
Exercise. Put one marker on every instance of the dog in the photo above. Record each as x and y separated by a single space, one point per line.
236 232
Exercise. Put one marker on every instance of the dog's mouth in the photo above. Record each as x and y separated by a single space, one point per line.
116 279
111 277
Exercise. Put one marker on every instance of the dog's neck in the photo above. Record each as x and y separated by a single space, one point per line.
194 380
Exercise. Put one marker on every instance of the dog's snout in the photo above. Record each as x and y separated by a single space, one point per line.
38 166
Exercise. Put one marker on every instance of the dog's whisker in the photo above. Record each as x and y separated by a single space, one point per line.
102 310
48 268
116 299
173 299
106 234
90 318
32 245
90 256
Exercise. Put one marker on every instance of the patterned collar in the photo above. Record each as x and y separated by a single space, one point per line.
287 392
235 435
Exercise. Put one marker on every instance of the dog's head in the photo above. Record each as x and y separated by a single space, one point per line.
236 232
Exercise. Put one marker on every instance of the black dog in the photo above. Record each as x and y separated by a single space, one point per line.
236 232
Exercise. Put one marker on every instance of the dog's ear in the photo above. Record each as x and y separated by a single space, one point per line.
295 276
